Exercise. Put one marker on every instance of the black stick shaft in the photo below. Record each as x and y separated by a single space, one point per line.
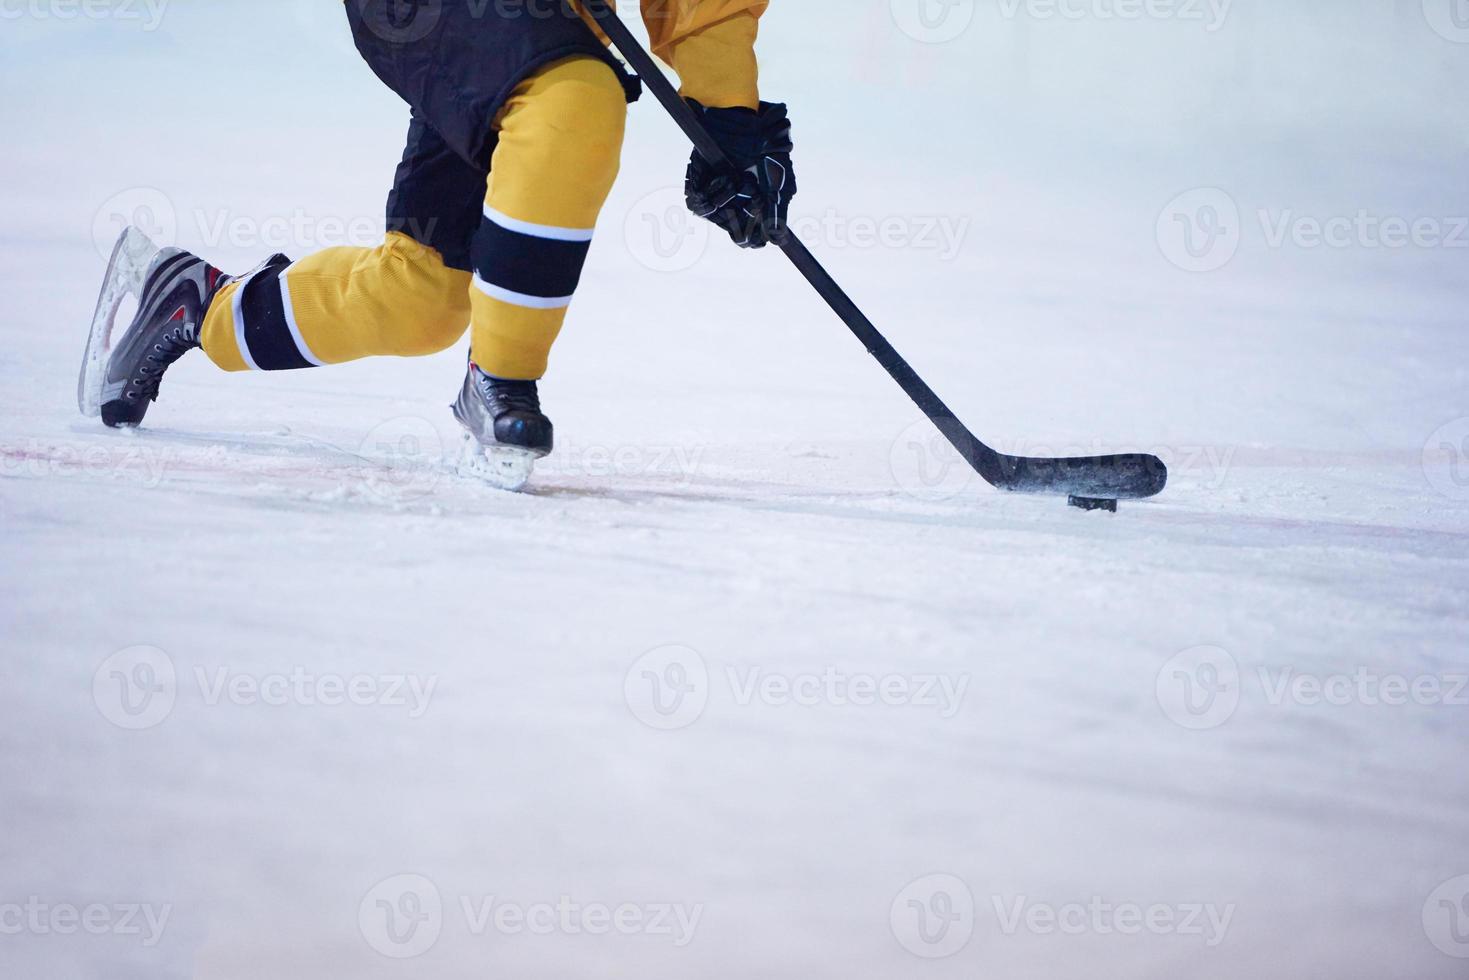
970 448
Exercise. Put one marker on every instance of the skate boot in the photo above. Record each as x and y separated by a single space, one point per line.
173 290
506 432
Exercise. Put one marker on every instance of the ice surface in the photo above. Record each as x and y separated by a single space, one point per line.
741 498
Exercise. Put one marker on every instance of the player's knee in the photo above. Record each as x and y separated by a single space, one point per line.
426 303
435 328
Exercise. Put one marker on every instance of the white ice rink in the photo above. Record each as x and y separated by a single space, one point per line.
758 682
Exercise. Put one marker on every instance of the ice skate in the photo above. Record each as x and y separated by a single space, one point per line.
172 288
505 429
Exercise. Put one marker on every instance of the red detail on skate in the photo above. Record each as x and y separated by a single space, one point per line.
178 317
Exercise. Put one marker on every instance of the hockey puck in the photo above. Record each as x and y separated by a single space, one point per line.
1093 503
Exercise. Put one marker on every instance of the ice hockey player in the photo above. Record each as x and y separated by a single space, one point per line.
518 112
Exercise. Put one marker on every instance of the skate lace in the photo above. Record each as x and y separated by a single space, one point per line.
170 347
513 396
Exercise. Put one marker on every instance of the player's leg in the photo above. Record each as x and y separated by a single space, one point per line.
558 152
557 156
405 298
408 296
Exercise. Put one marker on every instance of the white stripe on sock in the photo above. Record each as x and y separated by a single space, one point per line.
538 231
238 309
521 299
291 322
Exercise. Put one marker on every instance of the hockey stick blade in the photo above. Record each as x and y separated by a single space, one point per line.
1130 476
1103 478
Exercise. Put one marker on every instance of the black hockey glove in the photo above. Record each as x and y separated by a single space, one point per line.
752 199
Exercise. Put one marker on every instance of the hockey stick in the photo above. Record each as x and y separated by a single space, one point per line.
1090 481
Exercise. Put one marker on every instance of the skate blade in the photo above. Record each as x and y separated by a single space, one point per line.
125 272
502 467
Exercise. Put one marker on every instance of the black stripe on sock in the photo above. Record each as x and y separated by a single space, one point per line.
526 264
266 334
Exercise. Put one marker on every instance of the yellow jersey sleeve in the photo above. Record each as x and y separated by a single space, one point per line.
711 45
